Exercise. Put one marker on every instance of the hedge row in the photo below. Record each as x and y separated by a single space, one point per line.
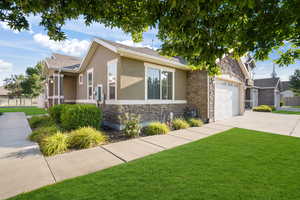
70 117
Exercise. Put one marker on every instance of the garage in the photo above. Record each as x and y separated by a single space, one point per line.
227 103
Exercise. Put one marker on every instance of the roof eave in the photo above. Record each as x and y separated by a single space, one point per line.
148 58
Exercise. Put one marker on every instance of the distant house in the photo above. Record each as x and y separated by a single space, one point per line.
120 79
268 90
285 90
3 92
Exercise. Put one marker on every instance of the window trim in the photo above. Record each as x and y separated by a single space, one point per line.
80 76
109 63
161 68
87 83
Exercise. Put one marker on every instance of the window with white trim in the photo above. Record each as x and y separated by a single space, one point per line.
80 79
159 84
112 80
90 84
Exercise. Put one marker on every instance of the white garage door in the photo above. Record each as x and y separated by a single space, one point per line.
227 103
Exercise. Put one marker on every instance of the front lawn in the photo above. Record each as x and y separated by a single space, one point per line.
237 164
26 110
295 106
286 112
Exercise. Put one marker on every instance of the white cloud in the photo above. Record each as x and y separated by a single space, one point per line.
5 67
72 47
4 25
131 43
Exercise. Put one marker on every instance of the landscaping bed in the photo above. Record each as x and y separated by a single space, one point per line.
26 110
266 108
233 165
70 127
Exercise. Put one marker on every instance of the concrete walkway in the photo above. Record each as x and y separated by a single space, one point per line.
24 168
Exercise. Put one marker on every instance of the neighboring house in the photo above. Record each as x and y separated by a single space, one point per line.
120 78
268 91
285 90
3 92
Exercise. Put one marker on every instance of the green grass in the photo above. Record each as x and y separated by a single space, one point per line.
295 106
26 110
286 112
234 165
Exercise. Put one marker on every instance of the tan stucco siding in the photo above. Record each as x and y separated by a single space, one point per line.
99 64
69 87
131 79
131 74
180 84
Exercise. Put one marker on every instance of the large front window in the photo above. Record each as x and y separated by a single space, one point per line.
160 84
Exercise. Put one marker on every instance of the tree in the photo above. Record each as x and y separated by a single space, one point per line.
32 85
295 82
200 30
13 85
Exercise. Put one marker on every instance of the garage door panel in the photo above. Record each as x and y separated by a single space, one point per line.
226 100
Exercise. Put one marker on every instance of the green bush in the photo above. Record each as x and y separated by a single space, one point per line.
39 134
273 108
56 111
156 128
179 124
85 137
40 121
132 124
281 103
80 115
262 108
54 144
193 122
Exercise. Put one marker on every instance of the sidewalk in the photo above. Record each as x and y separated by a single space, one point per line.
24 168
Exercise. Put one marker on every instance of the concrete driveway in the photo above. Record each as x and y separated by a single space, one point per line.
284 124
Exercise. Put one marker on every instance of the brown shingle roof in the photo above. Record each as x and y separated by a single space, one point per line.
266 82
145 50
63 61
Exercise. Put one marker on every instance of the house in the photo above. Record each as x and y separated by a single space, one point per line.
120 78
285 90
268 91
3 92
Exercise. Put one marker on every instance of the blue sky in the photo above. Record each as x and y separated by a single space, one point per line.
19 50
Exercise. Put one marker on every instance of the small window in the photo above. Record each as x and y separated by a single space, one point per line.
99 93
90 84
80 79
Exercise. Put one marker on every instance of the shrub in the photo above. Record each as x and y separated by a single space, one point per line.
80 115
40 121
193 122
281 103
54 144
179 124
262 108
56 111
132 124
156 128
39 134
85 137
272 108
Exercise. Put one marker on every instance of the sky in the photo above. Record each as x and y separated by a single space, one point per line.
19 50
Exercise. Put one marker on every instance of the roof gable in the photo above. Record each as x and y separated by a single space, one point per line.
267 82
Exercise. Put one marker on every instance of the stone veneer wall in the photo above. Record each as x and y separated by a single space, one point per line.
148 113
197 92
